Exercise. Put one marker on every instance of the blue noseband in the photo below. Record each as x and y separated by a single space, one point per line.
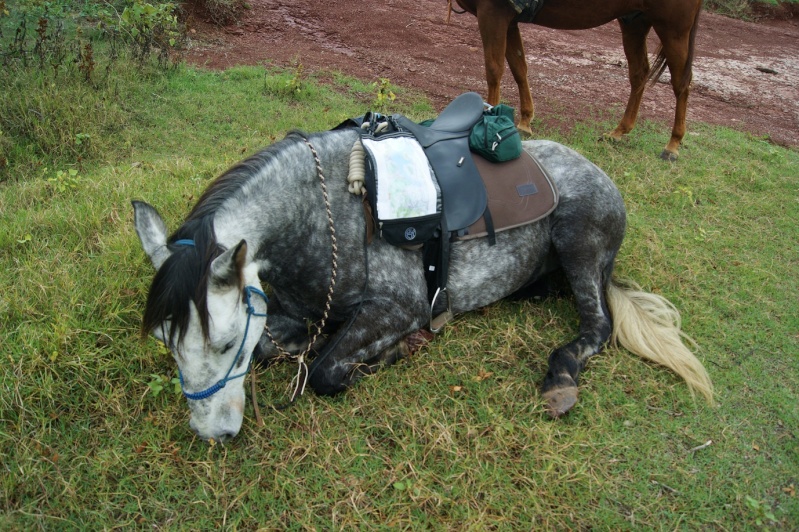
208 392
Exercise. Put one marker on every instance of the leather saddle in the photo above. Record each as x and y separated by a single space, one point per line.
472 189
446 144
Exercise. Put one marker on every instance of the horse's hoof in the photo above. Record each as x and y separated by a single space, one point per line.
610 137
560 400
416 340
525 131
669 156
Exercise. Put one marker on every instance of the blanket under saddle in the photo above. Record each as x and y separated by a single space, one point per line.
527 9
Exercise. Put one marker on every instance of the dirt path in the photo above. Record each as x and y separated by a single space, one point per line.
746 75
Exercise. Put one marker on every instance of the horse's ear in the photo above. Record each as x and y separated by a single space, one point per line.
152 232
226 269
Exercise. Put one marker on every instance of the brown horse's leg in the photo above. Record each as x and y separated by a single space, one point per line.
633 36
514 53
493 21
494 53
679 56
677 70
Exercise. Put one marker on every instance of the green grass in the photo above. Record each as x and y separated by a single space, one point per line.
454 437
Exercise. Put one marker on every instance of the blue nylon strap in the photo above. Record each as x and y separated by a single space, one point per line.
208 392
184 242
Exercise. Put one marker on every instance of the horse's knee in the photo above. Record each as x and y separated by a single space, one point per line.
327 379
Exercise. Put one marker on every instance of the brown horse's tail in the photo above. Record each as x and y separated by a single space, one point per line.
648 325
659 66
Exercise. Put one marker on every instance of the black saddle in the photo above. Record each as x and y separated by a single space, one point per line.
446 144
464 199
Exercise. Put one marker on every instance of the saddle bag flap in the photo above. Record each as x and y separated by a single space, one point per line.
409 231
402 189
495 136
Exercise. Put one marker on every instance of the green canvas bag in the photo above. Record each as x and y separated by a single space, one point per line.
495 136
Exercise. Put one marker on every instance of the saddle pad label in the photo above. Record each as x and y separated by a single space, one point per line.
404 181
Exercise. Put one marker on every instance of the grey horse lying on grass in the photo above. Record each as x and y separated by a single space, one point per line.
265 221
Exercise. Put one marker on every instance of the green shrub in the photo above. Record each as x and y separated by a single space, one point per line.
151 29
220 12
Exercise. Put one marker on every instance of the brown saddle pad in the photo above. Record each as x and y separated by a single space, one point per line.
519 192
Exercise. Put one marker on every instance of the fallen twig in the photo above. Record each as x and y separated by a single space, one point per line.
667 488
700 447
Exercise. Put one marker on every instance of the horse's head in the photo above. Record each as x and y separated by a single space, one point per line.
206 305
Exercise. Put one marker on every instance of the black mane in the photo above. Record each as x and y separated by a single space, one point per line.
183 277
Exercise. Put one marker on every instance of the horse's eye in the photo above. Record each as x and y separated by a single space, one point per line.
228 346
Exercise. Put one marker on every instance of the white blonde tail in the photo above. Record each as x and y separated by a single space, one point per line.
649 326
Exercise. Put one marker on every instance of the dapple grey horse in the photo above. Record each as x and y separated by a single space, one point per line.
265 221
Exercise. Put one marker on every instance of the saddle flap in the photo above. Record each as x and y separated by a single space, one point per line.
462 190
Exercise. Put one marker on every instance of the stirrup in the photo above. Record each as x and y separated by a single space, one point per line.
437 323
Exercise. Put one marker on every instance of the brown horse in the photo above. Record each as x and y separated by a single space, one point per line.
674 21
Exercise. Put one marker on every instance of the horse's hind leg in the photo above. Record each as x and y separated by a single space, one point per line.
633 36
567 361
678 45
587 261
514 54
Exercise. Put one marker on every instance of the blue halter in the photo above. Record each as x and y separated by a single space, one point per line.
208 392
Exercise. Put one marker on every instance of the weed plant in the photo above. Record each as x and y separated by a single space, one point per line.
46 50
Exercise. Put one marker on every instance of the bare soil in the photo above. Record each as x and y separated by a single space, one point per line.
746 74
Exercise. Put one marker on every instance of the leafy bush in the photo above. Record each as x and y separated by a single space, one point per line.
66 73
749 9
220 12
151 28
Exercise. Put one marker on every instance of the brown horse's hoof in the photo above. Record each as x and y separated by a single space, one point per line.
610 137
525 131
669 156
560 400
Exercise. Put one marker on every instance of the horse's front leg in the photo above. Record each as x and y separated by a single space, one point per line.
678 58
375 338
283 334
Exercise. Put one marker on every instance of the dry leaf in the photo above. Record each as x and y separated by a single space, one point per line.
483 375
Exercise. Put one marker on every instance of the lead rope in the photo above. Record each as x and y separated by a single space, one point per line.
301 379
451 10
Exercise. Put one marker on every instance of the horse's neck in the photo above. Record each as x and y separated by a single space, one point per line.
264 203
271 211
